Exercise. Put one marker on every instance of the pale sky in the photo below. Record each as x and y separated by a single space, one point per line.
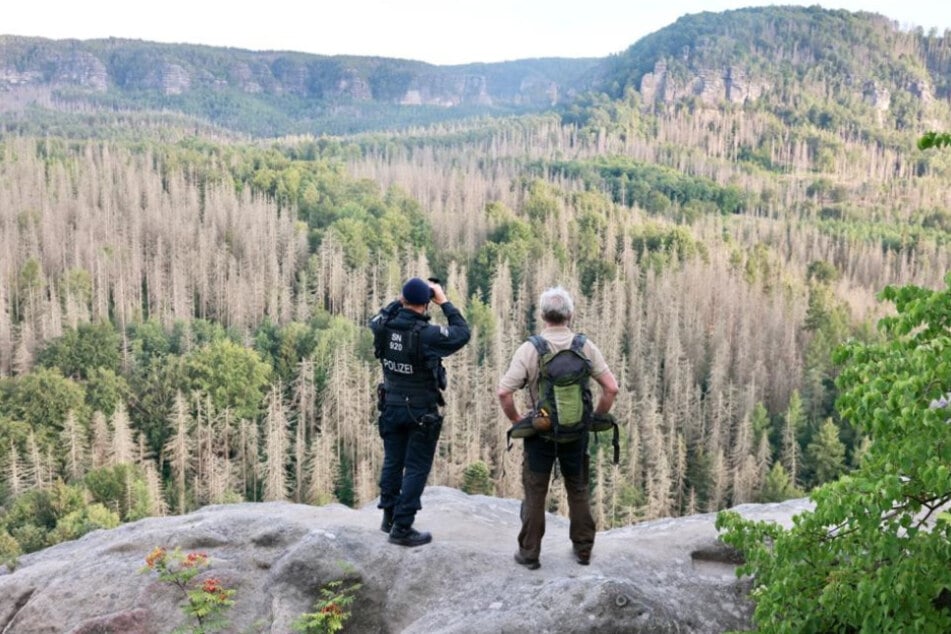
435 31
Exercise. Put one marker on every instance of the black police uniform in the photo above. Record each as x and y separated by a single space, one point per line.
410 351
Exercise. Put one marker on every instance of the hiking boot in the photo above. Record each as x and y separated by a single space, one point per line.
583 557
408 536
387 523
531 564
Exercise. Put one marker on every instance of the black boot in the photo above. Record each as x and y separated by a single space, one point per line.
387 520
408 536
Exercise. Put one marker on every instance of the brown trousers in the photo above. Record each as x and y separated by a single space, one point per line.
537 467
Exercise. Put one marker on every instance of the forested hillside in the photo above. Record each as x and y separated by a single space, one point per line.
263 93
182 311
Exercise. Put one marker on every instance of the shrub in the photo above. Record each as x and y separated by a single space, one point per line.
331 610
205 601
873 555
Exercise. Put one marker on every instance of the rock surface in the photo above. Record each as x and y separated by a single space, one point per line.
660 576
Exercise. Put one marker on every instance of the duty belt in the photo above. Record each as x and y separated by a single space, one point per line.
414 399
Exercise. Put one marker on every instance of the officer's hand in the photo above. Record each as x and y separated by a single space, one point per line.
439 295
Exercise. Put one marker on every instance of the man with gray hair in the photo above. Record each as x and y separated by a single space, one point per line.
540 450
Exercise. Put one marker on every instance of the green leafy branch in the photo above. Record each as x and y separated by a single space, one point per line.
934 140
873 554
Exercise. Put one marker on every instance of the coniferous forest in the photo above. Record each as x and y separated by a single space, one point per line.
183 306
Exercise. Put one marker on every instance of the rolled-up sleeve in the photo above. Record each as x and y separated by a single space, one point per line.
598 365
519 372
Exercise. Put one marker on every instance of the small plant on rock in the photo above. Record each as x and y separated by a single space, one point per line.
205 600
331 610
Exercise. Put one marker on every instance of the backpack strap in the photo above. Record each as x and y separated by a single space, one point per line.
523 428
615 441
601 424
541 345
578 342
617 445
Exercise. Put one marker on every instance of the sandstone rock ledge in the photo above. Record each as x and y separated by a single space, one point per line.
660 576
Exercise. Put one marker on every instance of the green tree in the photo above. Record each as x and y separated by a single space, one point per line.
105 390
762 426
343 483
28 287
826 453
827 325
331 609
9 549
77 523
32 517
153 388
873 554
513 241
793 423
79 351
821 272
483 324
148 340
778 486
42 398
235 377
477 479
120 489
285 347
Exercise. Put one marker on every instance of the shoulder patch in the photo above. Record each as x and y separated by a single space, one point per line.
444 331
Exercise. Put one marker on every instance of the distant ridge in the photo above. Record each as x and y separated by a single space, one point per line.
777 56
273 92
775 52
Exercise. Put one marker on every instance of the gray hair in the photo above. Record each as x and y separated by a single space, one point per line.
555 306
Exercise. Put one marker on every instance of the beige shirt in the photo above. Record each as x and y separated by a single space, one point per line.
523 371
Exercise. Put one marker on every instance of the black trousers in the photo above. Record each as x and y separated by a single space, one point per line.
410 435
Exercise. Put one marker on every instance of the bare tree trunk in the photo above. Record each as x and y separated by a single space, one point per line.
178 450
77 453
276 444
122 450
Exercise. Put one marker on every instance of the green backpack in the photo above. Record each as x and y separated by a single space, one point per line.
563 392
564 410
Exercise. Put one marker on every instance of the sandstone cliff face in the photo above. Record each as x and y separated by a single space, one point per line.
447 91
711 86
172 79
80 69
75 69
291 76
351 85
661 576
11 77
876 95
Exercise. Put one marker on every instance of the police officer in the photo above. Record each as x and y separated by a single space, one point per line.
410 350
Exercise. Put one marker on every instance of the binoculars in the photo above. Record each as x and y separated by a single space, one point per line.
434 280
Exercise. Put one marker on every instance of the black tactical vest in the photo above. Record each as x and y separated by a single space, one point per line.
405 371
